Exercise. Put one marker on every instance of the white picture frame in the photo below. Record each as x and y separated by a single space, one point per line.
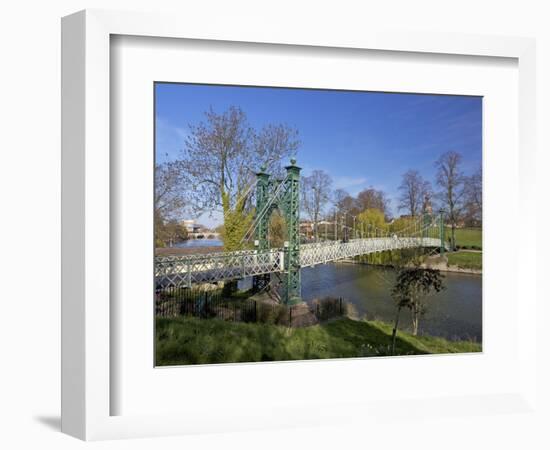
87 386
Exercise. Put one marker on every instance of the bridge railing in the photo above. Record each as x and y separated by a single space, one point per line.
188 270
207 268
318 253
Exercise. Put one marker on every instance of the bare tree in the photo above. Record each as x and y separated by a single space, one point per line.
170 190
170 197
344 203
373 199
413 191
221 155
473 186
450 180
315 195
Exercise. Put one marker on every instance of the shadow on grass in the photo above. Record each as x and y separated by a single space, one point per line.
373 340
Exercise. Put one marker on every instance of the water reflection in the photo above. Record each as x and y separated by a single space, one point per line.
454 313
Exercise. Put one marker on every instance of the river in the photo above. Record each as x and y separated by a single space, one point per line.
454 313
190 243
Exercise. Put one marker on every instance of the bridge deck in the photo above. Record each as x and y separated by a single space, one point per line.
207 268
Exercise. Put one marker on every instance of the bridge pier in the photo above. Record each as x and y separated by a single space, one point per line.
289 204
291 209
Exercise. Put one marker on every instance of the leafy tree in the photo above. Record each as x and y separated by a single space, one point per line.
402 225
372 222
413 190
450 180
277 233
236 222
412 286
169 233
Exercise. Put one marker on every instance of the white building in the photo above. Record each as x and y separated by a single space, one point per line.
191 225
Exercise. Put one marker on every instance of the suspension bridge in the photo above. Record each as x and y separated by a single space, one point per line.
260 263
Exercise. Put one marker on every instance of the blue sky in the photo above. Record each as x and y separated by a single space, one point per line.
361 139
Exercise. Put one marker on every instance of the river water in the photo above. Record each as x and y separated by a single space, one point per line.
193 243
454 313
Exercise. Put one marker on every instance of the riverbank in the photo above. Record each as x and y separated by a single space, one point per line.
183 340
464 261
178 251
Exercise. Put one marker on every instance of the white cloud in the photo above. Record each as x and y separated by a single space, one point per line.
346 182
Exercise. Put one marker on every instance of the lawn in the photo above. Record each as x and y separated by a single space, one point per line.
466 237
465 260
186 340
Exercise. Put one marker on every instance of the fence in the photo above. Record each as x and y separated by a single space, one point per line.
210 304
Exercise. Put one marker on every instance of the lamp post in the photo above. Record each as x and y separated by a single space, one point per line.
335 226
442 232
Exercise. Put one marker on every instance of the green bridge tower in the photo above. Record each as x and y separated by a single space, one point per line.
287 200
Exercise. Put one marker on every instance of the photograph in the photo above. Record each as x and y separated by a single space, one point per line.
296 224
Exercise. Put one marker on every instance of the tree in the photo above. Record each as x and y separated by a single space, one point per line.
450 180
403 225
170 190
413 190
372 222
220 158
411 288
169 233
344 203
315 195
170 199
372 199
278 233
473 186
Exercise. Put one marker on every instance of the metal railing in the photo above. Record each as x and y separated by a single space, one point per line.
189 270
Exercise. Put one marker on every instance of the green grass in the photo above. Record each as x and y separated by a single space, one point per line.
194 341
467 237
465 260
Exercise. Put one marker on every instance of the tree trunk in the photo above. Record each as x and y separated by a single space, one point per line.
394 332
453 236
414 313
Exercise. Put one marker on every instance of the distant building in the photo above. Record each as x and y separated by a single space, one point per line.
191 225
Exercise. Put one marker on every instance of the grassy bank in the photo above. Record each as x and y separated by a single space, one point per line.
193 341
465 260
469 238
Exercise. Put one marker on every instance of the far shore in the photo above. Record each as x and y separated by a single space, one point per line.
443 267
178 251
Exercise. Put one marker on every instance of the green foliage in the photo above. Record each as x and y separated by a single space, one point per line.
413 282
403 225
196 341
411 286
395 258
168 233
236 222
372 222
465 260
278 232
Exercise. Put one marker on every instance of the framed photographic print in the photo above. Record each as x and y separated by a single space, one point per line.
251 217
320 259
